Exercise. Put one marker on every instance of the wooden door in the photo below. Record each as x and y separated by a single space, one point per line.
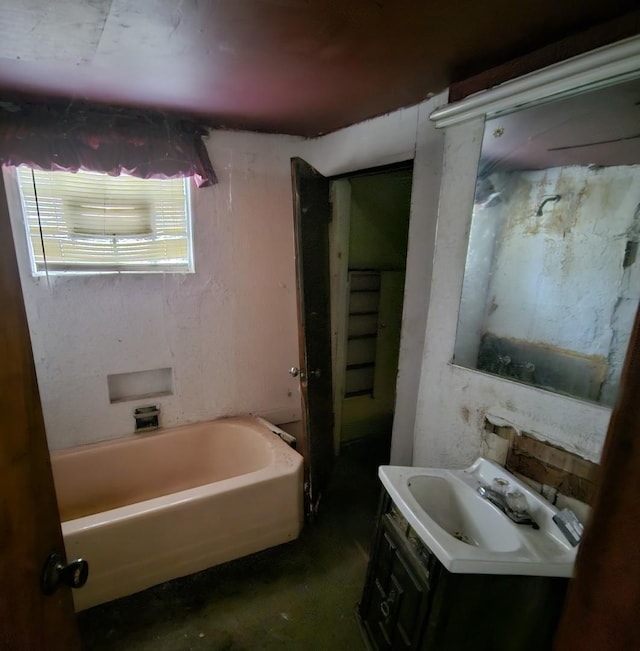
29 521
312 212
603 603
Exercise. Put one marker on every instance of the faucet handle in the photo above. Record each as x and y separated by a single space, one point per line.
500 485
516 501
570 526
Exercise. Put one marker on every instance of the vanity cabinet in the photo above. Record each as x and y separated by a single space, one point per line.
410 601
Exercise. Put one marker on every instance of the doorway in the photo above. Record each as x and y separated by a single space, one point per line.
368 237
351 242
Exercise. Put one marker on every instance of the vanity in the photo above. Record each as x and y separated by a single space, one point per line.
534 290
449 571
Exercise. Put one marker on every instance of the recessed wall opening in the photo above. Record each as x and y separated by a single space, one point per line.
140 384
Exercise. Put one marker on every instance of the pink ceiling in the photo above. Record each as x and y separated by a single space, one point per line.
291 66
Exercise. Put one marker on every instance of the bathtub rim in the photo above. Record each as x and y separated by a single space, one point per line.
285 461
254 421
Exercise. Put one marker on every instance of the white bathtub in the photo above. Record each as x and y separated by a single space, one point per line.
148 508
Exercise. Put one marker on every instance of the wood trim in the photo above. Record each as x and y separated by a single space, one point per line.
339 298
594 69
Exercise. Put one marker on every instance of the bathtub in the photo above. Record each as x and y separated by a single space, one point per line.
152 507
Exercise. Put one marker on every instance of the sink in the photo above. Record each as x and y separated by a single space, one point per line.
463 514
468 533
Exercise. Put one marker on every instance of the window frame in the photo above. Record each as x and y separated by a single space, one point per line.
102 267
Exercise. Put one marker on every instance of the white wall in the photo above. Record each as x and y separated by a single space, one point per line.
556 279
483 245
454 401
229 331
557 276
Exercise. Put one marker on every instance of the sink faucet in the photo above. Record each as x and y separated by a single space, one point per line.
512 504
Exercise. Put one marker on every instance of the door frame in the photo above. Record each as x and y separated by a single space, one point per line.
338 294
339 231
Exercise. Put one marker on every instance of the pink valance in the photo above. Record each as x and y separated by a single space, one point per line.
143 144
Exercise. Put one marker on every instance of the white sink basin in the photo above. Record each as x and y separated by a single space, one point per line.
469 534
464 514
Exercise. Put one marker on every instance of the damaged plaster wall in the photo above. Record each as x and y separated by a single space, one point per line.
561 283
454 401
229 332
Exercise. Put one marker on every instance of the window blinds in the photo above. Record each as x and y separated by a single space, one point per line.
92 222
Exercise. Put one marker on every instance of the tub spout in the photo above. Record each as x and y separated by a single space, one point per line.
147 418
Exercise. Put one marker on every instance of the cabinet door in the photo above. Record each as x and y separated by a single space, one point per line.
395 610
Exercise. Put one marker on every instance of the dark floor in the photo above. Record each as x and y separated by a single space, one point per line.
301 595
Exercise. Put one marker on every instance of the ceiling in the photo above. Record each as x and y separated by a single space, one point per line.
598 127
301 67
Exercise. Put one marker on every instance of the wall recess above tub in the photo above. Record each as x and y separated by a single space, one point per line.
140 384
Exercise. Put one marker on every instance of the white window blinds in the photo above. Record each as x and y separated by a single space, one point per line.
92 222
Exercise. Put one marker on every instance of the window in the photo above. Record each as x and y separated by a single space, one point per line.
92 222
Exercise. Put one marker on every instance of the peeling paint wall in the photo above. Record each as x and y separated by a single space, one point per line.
454 401
554 285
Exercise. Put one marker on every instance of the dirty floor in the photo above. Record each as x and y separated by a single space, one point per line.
299 596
